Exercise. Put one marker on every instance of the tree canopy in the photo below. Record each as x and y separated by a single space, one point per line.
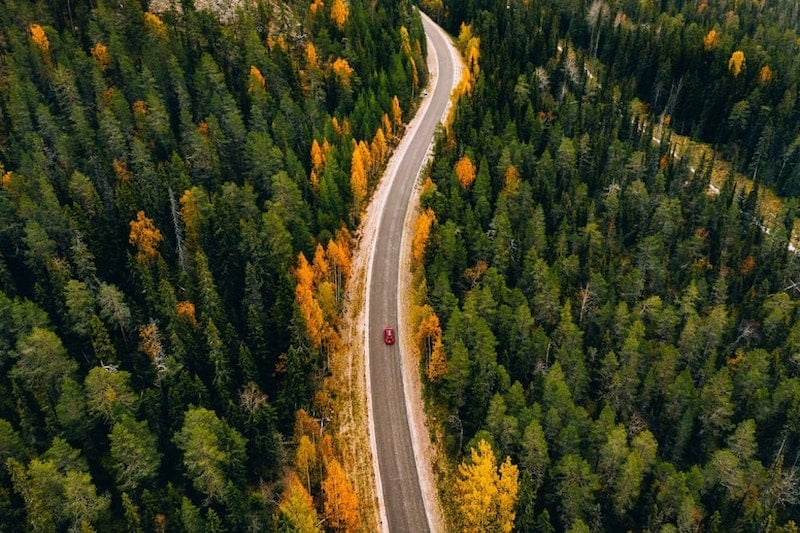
617 318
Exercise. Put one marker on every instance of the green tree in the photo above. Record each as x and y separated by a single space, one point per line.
576 487
41 366
134 453
213 452
108 393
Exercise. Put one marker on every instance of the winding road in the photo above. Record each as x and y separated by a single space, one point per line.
400 487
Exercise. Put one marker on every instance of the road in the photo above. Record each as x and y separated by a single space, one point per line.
401 501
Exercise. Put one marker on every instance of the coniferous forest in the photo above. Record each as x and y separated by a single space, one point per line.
164 178
177 206
624 333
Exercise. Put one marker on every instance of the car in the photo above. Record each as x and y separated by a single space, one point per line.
388 335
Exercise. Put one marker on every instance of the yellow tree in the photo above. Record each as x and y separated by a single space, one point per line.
405 41
338 128
100 55
311 56
736 63
508 489
153 23
315 7
320 265
464 36
397 114
186 310
422 230
339 253
486 496
465 171
256 81
305 459
512 180
307 304
7 180
358 179
428 330
317 164
469 45
339 13
190 215
429 342
340 501
379 148
387 124
765 75
39 37
405 48
145 236
296 511
437 362
711 40
366 156
343 71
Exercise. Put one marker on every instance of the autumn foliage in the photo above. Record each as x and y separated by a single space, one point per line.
465 171
153 23
343 71
186 310
422 230
39 37
256 81
339 13
428 338
145 236
315 7
319 289
379 148
711 40
311 55
360 172
297 506
190 215
736 63
307 302
340 500
100 55
486 495
318 155
397 114
765 75
470 48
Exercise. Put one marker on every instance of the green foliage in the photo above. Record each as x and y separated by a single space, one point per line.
123 112
134 453
213 452
647 317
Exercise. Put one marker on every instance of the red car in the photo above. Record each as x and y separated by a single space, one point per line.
388 335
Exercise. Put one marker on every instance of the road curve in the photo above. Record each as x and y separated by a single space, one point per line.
400 495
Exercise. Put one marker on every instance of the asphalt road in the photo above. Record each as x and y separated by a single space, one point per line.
400 495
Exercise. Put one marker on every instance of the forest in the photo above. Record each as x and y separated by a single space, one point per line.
177 205
609 343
